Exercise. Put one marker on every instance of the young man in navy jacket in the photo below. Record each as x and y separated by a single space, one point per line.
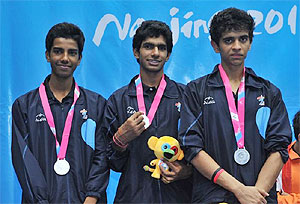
148 106
234 125
55 128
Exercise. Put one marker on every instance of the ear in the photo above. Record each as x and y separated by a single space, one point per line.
168 56
250 46
152 142
79 60
136 54
181 155
47 54
215 46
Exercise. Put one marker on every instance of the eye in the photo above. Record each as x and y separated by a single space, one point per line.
165 146
244 39
148 46
73 52
227 40
57 51
175 149
162 47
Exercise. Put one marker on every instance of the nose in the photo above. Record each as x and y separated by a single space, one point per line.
236 45
65 57
155 51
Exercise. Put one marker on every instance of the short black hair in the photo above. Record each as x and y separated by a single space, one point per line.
296 124
68 31
231 19
152 28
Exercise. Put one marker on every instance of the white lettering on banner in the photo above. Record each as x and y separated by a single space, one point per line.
270 17
292 19
274 21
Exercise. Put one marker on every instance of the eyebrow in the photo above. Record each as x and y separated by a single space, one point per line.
159 44
236 36
59 48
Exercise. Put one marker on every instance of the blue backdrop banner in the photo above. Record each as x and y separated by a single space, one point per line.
108 62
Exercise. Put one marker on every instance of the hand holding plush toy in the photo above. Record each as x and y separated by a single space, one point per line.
165 147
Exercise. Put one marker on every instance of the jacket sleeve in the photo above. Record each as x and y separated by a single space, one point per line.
99 173
111 123
278 135
27 168
191 135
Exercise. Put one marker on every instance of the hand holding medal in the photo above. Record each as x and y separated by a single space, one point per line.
131 128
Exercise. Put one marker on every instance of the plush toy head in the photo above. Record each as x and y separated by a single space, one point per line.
166 147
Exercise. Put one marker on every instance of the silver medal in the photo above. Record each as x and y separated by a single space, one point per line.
241 156
146 121
61 167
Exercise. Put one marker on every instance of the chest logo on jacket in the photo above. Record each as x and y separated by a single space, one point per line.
209 100
84 114
130 110
261 99
178 105
40 118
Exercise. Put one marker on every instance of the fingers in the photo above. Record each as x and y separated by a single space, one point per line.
173 165
262 192
165 180
166 173
138 120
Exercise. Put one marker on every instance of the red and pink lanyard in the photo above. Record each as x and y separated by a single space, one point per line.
156 100
60 150
237 117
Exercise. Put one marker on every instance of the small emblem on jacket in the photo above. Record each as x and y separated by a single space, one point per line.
84 114
40 117
261 100
178 105
130 110
208 100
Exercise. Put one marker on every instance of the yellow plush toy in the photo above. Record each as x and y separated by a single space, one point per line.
165 147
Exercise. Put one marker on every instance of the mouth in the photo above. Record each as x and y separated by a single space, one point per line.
168 155
237 56
153 62
64 66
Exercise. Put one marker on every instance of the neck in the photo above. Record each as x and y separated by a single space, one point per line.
297 147
234 74
151 79
60 87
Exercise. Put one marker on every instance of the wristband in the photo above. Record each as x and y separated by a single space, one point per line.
216 174
119 136
118 142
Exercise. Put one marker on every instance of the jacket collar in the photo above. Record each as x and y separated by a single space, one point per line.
170 91
215 80
51 97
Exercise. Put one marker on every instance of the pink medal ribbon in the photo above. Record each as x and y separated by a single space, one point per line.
61 166
241 155
140 99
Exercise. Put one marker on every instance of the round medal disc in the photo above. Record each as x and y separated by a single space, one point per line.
241 156
61 167
146 120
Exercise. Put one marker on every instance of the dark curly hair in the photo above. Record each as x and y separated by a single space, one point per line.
152 28
68 31
231 19
296 124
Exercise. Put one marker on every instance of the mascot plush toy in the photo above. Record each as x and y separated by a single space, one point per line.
165 147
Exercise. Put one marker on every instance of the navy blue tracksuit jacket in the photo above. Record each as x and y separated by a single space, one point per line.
34 152
206 124
135 184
